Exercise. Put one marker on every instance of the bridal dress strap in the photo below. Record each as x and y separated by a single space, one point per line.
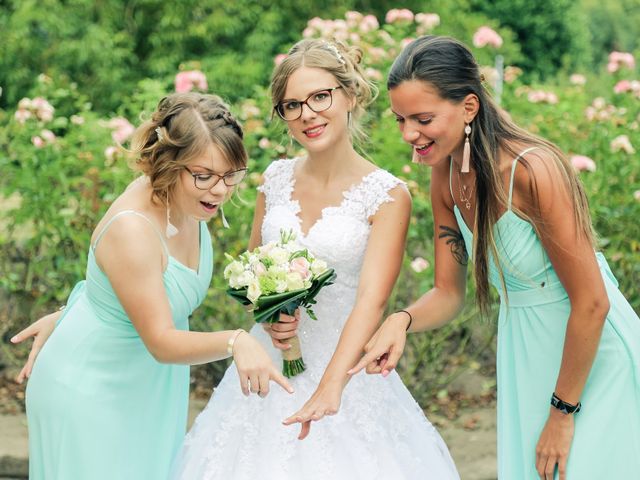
138 214
513 169
278 182
365 199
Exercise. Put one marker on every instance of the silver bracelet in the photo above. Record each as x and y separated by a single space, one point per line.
232 340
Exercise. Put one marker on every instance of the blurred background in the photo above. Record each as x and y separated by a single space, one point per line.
77 76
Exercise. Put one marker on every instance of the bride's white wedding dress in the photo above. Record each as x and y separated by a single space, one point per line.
380 432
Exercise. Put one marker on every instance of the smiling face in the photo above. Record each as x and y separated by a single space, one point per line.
317 131
195 202
433 126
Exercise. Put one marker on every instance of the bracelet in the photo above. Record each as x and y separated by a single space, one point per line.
232 340
61 308
410 318
563 406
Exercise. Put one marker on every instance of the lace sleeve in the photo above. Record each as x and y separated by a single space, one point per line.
277 182
372 193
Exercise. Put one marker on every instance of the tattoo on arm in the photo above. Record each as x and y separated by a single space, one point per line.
455 239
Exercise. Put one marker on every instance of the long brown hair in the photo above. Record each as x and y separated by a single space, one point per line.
449 66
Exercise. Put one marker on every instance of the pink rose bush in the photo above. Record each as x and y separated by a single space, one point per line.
622 144
121 129
190 79
419 264
399 15
618 60
37 108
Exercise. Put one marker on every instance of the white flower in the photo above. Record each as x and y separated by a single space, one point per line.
235 268
318 267
279 255
253 290
294 281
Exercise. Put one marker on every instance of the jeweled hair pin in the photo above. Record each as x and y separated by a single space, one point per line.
335 51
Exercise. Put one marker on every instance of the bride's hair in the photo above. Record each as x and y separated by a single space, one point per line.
339 60
183 127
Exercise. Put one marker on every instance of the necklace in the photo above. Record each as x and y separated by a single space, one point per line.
466 193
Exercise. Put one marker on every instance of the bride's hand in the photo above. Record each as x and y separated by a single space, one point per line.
286 328
255 367
385 348
325 401
40 331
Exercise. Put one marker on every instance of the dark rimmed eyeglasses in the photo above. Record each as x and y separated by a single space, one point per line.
318 101
206 181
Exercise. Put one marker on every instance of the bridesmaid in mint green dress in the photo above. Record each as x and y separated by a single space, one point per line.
107 397
510 203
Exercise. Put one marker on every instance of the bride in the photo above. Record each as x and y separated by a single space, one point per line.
354 216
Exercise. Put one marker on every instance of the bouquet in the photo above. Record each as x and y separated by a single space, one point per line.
278 278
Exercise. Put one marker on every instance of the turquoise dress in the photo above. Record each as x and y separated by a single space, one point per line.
531 331
99 406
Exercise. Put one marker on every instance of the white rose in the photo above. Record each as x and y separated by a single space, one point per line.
318 267
279 255
234 268
294 281
254 292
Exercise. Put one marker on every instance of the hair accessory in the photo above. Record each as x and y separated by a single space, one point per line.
171 230
159 134
335 51
466 151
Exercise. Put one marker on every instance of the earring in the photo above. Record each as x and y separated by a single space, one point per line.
466 151
225 224
349 119
171 230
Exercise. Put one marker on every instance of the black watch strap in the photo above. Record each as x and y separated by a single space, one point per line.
563 406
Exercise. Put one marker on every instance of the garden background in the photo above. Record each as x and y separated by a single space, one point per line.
77 76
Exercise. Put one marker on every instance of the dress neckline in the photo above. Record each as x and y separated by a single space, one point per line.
326 209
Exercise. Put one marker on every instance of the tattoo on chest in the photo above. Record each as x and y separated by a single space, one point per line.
455 240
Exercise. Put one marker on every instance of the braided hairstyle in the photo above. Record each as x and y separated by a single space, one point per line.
183 127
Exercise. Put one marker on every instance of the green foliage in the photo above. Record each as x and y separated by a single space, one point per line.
118 58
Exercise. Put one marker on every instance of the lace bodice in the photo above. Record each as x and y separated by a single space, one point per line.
339 237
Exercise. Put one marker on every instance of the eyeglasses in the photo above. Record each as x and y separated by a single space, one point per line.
206 181
318 102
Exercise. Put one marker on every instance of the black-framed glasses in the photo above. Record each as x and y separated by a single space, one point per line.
208 180
318 101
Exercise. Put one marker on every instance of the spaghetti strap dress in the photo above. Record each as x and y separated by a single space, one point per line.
99 406
531 331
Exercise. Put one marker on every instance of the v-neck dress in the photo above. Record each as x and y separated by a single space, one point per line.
532 324
99 406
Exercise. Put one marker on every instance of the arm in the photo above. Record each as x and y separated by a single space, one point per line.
439 305
571 254
382 262
131 256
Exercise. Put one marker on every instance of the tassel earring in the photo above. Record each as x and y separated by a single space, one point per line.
225 224
466 151
171 230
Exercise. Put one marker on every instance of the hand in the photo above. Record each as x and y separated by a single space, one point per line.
385 348
554 445
255 367
286 328
325 401
40 331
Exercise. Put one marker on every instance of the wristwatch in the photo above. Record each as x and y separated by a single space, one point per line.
563 406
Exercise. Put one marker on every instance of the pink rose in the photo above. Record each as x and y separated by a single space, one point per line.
428 20
487 36
264 143
37 142
622 86
48 136
406 169
22 115
419 264
122 129
399 15
190 79
369 23
581 163
622 143
278 59
577 79
301 266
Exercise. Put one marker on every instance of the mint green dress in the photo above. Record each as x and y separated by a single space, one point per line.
99 406
531 332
